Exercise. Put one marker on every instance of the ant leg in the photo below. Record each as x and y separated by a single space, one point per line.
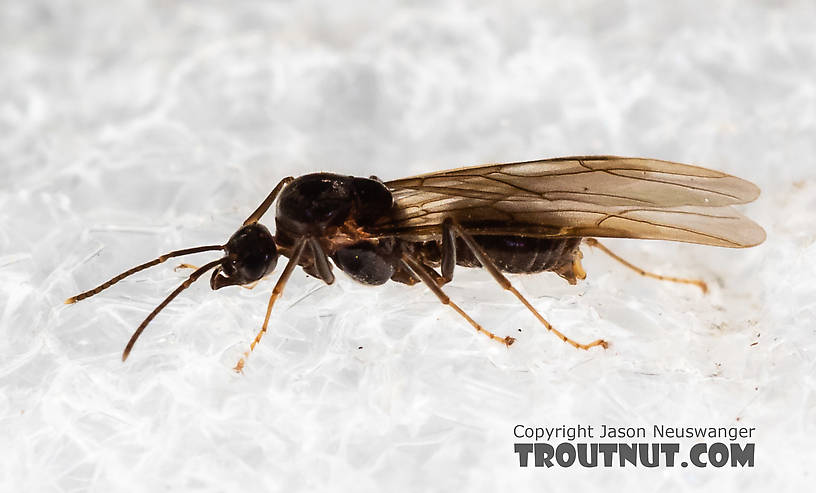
261 210
321 261
597 244
276 292
420 271
448 248
490 266
436 276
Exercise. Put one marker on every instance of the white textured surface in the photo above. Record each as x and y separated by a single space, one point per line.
129 128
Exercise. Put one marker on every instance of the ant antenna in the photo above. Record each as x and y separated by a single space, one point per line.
177 253
186 284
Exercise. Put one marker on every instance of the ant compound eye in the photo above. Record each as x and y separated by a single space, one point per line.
257 264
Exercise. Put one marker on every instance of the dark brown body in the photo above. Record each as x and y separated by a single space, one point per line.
512 254
348 236
526 217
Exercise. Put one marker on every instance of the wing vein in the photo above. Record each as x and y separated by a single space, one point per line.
578 196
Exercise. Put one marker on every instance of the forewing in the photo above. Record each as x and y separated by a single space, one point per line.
578 196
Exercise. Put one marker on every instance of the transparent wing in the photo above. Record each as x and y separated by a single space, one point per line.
602 196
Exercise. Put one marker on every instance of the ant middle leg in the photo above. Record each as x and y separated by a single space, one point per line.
261 210
421 271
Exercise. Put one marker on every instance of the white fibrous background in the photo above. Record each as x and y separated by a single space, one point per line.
132 128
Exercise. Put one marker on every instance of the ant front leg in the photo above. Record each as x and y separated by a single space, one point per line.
276 293
261 210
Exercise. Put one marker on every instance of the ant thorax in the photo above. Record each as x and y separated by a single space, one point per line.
314 204
334 211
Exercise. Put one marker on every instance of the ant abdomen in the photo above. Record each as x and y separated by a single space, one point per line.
367 262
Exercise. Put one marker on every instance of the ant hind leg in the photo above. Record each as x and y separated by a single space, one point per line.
491 267
597 244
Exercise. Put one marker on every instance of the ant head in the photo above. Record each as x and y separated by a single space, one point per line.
251 254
